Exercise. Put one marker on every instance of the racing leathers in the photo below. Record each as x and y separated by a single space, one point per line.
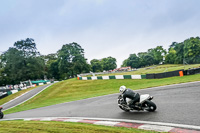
135 97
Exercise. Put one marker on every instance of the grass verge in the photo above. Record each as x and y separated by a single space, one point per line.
61 127
71 90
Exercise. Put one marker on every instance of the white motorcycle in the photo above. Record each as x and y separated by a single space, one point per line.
145 103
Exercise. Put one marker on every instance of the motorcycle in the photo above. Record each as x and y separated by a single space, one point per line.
1 113
145 103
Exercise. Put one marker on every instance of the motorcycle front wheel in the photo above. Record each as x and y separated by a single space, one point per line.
120 100
150 106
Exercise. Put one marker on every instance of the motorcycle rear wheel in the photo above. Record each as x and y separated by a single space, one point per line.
150 106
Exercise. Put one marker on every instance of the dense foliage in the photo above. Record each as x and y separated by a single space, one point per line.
23 62
186 52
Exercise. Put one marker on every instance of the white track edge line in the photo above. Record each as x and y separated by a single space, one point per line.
15 98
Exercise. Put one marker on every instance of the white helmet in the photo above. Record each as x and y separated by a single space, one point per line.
122 88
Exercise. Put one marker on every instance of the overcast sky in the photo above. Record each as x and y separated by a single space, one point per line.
103 28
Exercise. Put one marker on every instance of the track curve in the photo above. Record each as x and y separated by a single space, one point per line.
176 104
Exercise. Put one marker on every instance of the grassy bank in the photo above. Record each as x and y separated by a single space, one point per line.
156 69
71 90
61 127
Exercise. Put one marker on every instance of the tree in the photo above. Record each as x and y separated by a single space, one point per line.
22 62
28 47
71 61
13 60
179 53
149 59
192 50
125 62
50 59
157 53
132 61
170 58
109 63
96 65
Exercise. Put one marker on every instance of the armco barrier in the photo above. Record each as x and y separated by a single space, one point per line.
105 77
119 76
143 76
89 78
113 77
99 77
136 77
127 76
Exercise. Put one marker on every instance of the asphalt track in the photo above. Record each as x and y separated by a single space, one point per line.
177 104
26 96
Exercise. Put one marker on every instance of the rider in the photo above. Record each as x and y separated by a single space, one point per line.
128 93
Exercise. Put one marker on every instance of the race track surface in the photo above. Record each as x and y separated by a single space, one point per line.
175 104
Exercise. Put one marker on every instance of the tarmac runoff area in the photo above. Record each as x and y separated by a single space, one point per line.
153 126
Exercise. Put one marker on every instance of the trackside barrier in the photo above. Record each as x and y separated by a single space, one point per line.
136 76
119 76
14 91
7 92
41 83
163 75
147 76
94 78
105 77
99 77
113 77
84 78
191 71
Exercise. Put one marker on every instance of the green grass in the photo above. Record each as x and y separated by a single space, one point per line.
71 90
155 69
61 127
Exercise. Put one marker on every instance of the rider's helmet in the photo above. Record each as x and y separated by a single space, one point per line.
122 89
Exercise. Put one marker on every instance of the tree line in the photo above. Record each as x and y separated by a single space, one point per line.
23 61
186 52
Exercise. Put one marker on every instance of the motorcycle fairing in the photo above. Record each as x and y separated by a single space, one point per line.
144 97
